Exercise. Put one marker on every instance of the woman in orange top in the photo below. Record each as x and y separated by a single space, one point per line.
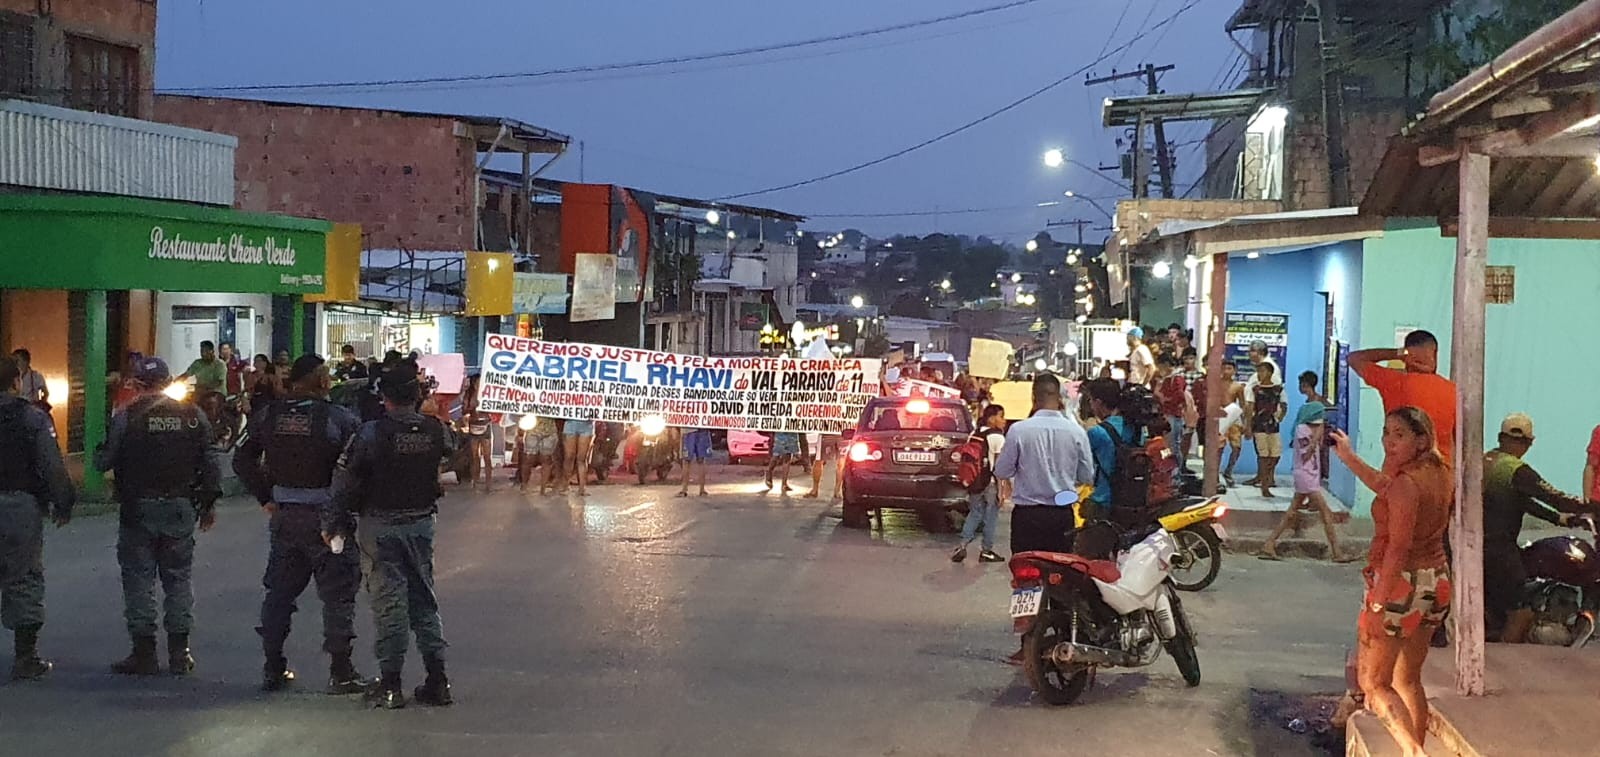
1407 573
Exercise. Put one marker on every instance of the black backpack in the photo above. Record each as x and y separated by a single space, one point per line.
1130 482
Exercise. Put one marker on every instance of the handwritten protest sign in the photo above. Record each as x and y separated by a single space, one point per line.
599 382
914 388
991 358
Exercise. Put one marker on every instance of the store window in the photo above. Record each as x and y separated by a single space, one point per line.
102 77
16 56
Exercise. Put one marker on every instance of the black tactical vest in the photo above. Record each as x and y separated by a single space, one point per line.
300 451
405 475
161 451
18 445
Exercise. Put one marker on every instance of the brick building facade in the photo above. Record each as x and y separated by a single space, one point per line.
406 178
96 55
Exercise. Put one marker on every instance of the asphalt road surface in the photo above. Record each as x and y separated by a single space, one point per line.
636 623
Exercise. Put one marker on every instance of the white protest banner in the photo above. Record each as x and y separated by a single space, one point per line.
914 388
599 382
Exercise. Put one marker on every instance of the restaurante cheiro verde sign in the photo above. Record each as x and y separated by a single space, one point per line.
115 243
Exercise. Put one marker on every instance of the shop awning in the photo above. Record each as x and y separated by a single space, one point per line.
119 243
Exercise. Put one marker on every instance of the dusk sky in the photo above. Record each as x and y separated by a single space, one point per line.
727 126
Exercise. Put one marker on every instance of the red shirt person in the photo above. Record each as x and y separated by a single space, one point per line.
1419 385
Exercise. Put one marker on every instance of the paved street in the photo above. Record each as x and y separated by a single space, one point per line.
636 623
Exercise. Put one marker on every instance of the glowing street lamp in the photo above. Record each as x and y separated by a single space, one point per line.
713 217
945 285
857 302
1054 158
1161 269
1032 245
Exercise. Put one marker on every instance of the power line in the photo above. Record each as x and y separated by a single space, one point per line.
958 211
970 124
603 67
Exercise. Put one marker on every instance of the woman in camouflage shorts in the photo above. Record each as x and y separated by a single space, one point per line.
1407 574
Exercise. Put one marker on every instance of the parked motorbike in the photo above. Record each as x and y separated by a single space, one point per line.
1080 611
1563 588
656 450
1195 524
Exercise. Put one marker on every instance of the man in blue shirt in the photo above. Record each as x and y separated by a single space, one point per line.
1105 402
1043 456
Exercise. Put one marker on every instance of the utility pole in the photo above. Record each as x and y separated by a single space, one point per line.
1141 164
1331 39
1080 223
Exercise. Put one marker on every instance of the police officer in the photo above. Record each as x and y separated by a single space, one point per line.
301 438
389 475
166 484
32 478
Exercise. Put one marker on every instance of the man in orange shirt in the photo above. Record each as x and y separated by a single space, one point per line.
1419 385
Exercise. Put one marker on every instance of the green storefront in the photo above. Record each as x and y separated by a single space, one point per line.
60 256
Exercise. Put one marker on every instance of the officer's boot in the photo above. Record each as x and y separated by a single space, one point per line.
435 691
275 674
142 661
386 692
27 666
343 678
179 661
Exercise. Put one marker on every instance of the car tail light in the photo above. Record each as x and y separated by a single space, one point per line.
1220 511
861 452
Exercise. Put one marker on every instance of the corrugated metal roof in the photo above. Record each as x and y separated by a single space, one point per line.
46 147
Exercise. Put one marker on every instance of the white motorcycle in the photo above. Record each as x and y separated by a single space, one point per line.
1081 611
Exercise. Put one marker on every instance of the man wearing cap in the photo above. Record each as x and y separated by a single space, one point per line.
33 481
1512 489
1141 364
389 476
287 463
167 483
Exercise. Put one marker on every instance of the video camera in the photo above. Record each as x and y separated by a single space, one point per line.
1139 406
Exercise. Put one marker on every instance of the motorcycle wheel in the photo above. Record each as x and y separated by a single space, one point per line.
1181 647
1199 558
1054 685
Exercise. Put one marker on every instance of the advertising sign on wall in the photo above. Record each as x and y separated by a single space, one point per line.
598 382
594 288
1243 329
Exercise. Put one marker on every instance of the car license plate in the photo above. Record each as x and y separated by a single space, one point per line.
1222 533
1025 602
923 458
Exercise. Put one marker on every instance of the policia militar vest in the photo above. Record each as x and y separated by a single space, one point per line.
405 480
160 450
301 454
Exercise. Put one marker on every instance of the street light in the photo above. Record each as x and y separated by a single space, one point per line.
857 302
733 234
713 217
945 285
1016 278
1032 245
1161 269
1054 158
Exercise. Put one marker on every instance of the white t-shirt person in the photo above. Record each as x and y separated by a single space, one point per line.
1141 364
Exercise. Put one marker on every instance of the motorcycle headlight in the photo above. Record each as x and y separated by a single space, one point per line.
653 425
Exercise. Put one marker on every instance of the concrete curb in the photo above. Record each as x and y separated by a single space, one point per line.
1314 549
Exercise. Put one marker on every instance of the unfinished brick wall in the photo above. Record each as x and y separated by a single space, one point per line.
408 180
1367 133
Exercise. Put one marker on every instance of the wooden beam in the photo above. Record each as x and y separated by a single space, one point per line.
1466 369
1531 228
1215 391
1429 156
1520 106
1568 178
1561 146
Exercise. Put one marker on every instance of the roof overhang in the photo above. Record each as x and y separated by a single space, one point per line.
1206 106
1535 111
1263 232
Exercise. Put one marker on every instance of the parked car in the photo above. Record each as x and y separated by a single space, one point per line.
748 445
901 455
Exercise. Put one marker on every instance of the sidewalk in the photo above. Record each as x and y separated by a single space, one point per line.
1252 517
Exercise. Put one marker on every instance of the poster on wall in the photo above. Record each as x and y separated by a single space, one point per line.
619 384
594 284
1241 329
541 293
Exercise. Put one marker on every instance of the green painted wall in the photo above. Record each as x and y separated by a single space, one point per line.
1540 358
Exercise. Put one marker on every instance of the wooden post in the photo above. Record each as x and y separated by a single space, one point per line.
1215 391
1466 369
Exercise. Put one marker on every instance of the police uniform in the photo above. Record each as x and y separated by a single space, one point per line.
166 482
300 441
32 478
389 476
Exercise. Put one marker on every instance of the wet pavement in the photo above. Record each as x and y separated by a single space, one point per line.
633 622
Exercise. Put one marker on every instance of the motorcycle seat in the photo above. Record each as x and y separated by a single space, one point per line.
1104 571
